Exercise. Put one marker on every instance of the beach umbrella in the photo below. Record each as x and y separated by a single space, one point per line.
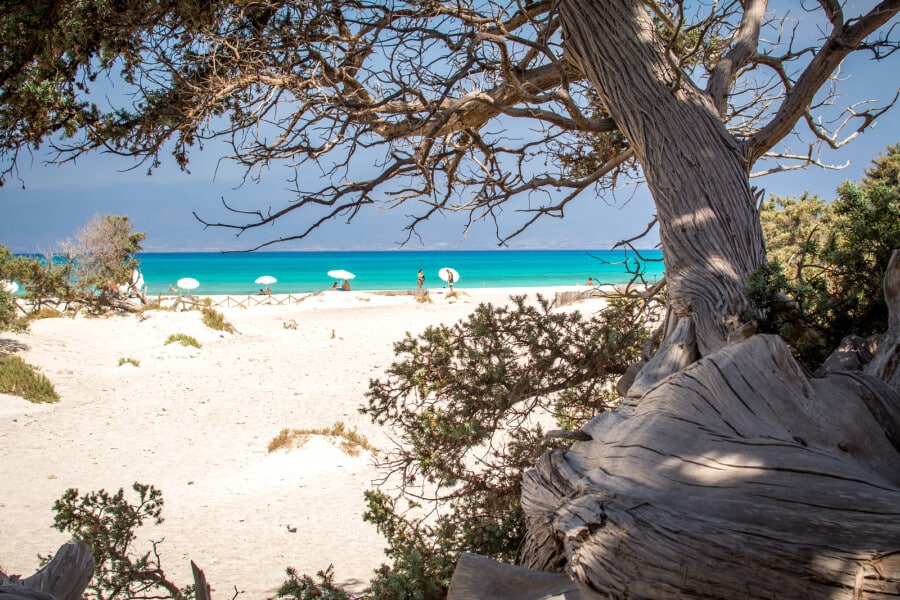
187 283
11 287
265 280
341 274
446 273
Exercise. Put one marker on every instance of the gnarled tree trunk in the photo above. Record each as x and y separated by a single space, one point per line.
738 478
696 171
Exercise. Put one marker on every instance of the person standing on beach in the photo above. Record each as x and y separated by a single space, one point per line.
420 282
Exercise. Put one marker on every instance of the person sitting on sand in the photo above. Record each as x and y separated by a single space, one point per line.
590 281
261 292
346 286
334 285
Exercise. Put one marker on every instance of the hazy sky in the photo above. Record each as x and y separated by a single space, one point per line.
51 203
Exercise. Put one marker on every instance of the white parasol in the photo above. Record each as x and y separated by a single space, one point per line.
11 287
265 280
187 283
341 274
446 273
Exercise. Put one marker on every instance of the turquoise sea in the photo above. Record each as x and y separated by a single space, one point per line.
299 272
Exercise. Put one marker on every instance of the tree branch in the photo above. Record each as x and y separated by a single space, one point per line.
843 39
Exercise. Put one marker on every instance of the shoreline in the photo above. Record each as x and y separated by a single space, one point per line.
491 292
196 423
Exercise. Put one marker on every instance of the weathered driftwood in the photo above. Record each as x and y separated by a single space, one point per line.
63 578
738 478
852 355
67 576
201 587
476 576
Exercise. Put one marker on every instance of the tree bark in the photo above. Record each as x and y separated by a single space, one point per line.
738 478
64 578
697 173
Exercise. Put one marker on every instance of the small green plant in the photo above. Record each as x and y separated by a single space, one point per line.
107 524
214 319
152 306
303 587
20 379
129 361
351 441
183 339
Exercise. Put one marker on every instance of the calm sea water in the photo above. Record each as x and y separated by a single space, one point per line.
392 270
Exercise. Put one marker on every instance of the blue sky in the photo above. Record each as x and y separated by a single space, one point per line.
51 203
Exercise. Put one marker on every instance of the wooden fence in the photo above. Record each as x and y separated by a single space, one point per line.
189 302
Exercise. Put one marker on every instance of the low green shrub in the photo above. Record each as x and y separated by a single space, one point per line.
303 587
466 404
183 339
129 361
153 305
9 318
20 379
107 523
214 319
45 312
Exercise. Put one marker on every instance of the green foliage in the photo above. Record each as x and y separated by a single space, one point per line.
835 258
107 524
129 361
41 279
20 379
794 230
303 587
9 317
87 271
54 51
778 311
423 556
183 339
866 231
214 319
468 404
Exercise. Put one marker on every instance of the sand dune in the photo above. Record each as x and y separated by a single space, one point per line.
196 424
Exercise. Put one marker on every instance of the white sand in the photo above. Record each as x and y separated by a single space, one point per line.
196 423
